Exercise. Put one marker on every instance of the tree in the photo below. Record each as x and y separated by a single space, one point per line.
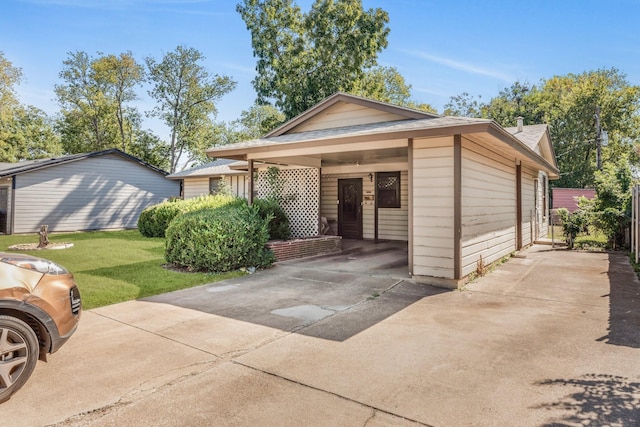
186 93
88 114
518 100
386 84
304 58
151 149
253 123
463 105
26 133
118 75
568 104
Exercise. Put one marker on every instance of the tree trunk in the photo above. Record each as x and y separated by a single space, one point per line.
44 236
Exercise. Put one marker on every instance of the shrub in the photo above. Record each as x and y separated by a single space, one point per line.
221 239
572 224
154 220
271 211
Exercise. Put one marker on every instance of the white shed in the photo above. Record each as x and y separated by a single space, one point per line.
95 191
456 189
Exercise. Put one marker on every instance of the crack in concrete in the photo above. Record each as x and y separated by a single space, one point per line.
168 379
142 390
339 396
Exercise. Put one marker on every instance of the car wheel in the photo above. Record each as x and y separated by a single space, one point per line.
18 355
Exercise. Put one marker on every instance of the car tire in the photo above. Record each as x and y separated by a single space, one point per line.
18 355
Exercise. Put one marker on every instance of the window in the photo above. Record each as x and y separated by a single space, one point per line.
214 185
388 189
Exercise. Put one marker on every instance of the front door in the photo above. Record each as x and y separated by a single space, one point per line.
4 208
350 208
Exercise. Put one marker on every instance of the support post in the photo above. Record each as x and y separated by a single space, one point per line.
457 207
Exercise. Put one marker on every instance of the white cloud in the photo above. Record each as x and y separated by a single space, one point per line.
462 66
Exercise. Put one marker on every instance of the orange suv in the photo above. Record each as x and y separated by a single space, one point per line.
39 310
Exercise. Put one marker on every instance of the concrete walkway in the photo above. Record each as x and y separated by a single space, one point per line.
549 338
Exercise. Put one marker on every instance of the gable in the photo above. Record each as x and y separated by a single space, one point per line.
345 114
537 139
343 110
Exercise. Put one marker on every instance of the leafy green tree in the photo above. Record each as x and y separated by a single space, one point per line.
610 210
88 120
150 148
568 104
386 84
26 132
118 76
303 58
253 123
185 94
518 100
463 105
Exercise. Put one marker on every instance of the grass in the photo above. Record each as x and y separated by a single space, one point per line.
116 266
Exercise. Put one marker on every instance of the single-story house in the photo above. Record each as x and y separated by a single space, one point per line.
568 197
210 177
96 191
461 191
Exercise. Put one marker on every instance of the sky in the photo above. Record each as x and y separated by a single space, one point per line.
442 48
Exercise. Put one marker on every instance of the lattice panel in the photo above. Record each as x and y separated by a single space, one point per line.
299 196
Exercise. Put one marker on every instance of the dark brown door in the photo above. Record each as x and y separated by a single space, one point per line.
4 208
350 208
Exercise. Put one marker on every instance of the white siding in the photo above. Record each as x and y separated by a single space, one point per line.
433 252
345 114
194 187
199 186
105 192
528 206
392 222
488 206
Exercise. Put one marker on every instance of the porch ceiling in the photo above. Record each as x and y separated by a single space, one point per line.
359 157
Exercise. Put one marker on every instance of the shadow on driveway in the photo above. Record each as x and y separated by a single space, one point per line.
333 297
602 400
624 303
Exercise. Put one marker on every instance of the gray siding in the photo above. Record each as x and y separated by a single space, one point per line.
105 192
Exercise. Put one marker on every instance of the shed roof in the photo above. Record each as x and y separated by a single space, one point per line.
26 166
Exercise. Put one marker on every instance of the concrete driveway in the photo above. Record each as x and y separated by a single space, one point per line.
550 338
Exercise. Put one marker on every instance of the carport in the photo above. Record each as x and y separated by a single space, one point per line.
376 171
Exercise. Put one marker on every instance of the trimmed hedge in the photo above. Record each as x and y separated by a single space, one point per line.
154 220
222 239
278 222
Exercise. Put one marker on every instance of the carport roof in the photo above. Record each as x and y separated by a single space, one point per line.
402 124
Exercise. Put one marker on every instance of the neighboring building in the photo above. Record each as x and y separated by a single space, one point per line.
568 197
456 189
96 191
209 178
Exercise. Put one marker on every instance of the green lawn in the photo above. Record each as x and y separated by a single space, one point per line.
115 266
